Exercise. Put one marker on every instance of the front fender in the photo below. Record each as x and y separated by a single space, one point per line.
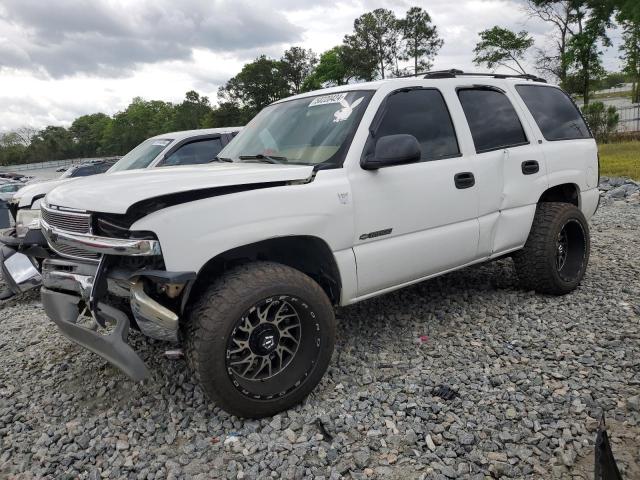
192 233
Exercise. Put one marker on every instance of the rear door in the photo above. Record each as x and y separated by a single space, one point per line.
509 167
564 136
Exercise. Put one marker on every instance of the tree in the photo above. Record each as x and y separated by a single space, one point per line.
583 50
338 66
499 47
87 132
140 120
226 114
191 112
630 49
376 36
421 39
562 16
51 143
602 120
586 24
258 84
296 65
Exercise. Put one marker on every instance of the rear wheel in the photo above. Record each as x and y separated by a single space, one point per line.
556 254
260 338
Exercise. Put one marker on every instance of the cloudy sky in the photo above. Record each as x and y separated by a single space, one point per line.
63 58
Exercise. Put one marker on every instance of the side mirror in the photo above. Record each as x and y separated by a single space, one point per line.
393 150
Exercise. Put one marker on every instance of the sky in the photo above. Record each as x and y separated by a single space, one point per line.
60 59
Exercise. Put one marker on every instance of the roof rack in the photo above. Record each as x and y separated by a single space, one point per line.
453 73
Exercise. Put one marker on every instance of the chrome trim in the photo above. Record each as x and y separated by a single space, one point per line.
100 245
23 272
154 320
56 208
81 284
78 213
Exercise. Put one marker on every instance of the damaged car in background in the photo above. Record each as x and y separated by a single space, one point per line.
23 248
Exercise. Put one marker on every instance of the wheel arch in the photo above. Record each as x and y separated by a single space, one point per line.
309 254
562 193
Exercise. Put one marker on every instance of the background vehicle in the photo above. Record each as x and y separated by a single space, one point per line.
7 190
170 149
332 197
87 169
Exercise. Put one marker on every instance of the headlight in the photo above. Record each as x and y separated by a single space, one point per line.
27 220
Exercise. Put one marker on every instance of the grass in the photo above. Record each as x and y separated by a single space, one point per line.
620 159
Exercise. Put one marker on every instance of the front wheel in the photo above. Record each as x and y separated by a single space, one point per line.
555 256
260 338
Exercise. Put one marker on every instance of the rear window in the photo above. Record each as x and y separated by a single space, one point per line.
556 115
493 121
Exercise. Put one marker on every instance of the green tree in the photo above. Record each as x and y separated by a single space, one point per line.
500 47
87 132
258 84
377 37
338 66
602 120
12 148
296 65
226 114
51 143
190 114
140 120
421 39
630 50
583 49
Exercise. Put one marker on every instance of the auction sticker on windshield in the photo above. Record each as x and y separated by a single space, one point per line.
328 99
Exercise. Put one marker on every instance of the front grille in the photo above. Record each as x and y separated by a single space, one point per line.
71 222
67 251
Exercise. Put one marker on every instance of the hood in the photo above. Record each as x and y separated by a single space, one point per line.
25 196
116 192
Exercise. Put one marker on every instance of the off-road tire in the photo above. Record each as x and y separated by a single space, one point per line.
216 314
537 263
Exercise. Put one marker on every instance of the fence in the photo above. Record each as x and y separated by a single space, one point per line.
629 118
50 164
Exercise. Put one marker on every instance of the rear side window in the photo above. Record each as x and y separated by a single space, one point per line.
423 114
554 112
493 121
202 151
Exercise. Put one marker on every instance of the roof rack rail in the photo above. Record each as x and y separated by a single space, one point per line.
453 73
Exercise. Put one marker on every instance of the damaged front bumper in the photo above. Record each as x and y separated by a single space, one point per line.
114 295
64 310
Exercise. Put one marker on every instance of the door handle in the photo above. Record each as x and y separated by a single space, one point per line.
464 180
529 167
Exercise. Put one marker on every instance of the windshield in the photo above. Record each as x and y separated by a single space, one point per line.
309 131
142 155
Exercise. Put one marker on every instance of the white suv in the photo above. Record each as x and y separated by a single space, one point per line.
326 198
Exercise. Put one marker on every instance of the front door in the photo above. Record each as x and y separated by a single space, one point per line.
418 219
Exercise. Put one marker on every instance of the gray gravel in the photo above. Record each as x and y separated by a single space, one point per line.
528 375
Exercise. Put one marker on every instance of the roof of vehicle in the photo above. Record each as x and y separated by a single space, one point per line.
438 78
193 133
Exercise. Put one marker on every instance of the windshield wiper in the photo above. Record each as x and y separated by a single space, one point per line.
221 159
264 158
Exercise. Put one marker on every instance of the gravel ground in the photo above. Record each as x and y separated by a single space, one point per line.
528 375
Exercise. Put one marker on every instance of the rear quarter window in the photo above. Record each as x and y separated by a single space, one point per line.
555 113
